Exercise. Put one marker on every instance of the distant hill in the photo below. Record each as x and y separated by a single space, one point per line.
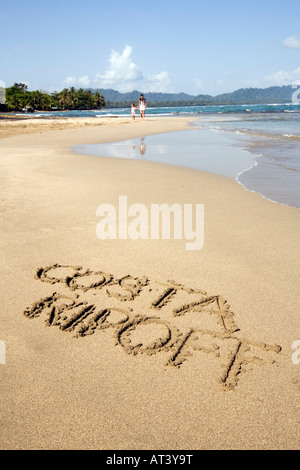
269 95
116 96
275 94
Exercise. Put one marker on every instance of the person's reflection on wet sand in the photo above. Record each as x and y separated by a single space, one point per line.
142 146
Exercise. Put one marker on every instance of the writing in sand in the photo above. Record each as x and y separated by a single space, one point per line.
150 317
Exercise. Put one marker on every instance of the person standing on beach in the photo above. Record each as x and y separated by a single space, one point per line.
142 106
133 108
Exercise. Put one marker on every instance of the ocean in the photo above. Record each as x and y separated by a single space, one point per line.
257 145
180 110
273 139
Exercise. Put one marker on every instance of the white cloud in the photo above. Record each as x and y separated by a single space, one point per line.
122 69
198 85
124 75
72 81
280 78
284 78
292 43
160 82
84 81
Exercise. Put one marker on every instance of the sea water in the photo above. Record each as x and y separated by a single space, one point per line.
244 109
274 141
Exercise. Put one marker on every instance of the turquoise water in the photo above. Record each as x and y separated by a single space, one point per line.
274 141
276 124
180 111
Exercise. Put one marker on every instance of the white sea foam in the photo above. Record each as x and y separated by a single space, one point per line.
112 115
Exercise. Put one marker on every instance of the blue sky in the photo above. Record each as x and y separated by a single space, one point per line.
192 46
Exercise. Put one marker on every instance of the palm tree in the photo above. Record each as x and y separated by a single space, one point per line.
100 102
73 98
64 98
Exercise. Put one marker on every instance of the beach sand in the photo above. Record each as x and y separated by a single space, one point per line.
140 344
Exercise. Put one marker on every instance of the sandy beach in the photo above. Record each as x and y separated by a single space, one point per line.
140 344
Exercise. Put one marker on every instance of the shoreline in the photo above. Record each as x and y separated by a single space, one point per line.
123 149
31 125
149 371
9 128
275 149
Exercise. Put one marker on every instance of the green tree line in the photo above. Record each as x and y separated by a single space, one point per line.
19 98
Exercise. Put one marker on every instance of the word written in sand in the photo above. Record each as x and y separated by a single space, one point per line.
135 223
150 317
